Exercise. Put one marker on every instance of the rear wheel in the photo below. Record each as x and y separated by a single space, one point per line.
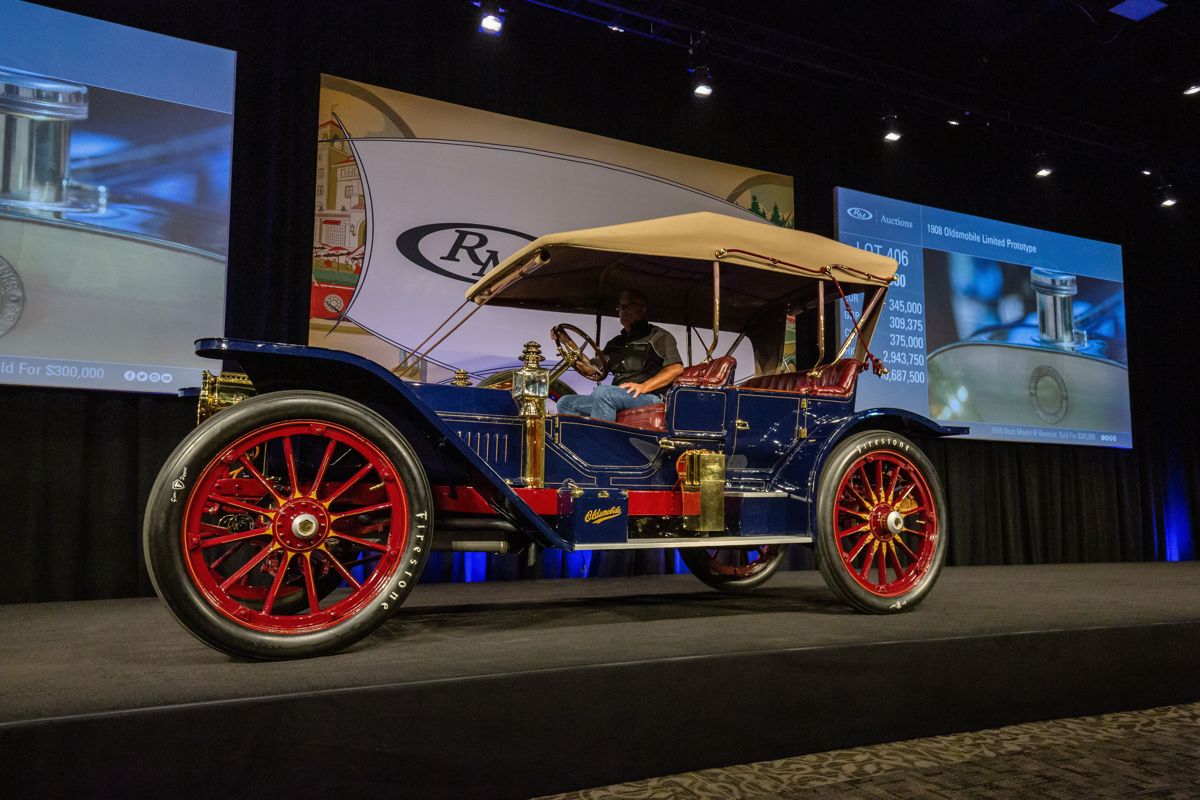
881 514
288 526
734 569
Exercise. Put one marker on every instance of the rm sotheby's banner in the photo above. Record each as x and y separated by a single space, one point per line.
405 222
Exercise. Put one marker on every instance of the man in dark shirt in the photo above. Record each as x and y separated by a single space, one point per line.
643 359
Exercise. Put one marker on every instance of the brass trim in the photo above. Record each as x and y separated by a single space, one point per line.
862 323
532 408
218 392
716 265
703 472
741 425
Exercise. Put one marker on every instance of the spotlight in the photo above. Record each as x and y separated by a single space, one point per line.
1147 172
1193 89
1041 166
702 85
1166 196
956 118
891 128
491 19
955 121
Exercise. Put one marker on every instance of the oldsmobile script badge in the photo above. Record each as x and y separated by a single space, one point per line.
12 296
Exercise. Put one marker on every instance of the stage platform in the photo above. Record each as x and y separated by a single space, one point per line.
518 689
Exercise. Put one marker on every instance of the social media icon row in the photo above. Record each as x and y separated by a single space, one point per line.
141 376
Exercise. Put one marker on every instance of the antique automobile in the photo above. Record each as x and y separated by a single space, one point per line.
294 522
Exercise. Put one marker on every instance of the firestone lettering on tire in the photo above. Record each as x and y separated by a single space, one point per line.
871 444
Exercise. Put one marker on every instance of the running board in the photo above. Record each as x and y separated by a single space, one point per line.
698 541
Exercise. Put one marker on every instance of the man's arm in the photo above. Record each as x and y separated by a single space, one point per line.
665 377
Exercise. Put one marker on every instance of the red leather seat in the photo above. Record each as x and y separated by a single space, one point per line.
709 374
835 380
652 417
714 374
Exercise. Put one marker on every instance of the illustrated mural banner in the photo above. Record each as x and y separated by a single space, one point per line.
417 199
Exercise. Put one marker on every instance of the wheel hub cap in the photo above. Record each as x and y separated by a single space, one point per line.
305 526
301 524
895 522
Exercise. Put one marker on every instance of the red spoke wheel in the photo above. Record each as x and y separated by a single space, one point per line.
288 526
734 569
881 516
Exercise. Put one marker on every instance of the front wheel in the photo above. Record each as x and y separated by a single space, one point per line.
288 526
734 569
881 517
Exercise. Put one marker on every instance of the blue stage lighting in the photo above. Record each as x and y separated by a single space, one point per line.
1177 518
1137 10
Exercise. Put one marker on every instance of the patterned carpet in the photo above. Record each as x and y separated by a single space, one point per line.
1139 754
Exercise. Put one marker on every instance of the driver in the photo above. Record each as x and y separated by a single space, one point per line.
643 360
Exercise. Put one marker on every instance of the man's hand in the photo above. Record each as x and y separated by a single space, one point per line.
665 377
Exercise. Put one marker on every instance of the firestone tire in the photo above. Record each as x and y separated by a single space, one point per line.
881 523
265 506
734 569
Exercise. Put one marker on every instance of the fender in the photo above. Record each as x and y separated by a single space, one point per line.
803 467
275 367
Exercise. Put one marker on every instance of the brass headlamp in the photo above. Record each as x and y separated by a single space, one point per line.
530 388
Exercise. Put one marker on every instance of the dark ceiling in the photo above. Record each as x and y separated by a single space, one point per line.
1074 69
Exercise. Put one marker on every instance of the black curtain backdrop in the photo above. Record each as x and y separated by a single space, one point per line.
75 467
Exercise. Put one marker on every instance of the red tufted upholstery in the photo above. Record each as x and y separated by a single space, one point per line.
710 374
835 380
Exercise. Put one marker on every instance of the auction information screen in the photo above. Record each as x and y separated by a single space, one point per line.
114 201
1014 332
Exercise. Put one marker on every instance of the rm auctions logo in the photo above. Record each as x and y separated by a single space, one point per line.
860 213
598 515
464 251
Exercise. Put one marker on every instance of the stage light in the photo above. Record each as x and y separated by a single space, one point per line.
1147 172
954 121
491 19
1137 10
891 128
1041 166
1166 196
1193 89
616 29
702 85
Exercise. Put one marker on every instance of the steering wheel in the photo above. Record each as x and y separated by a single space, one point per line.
573 354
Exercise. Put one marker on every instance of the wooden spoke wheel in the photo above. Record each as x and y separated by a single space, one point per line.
734 569
881 514
288 526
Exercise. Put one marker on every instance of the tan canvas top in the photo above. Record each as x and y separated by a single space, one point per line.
670 261
701 236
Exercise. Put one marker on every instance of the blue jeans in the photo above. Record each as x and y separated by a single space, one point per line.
604 402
